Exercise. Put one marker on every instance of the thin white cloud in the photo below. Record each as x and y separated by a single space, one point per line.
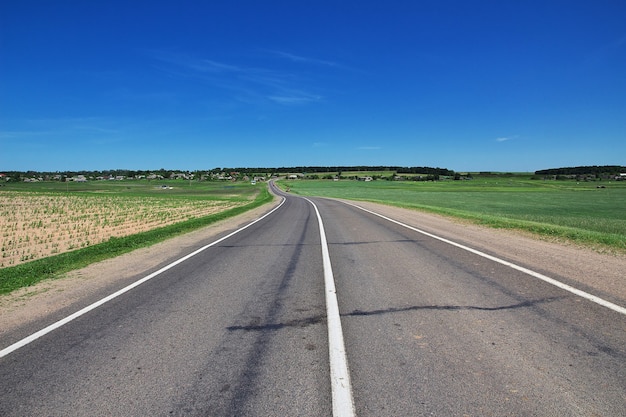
208 65
23 134
249 84
294 98
189 67
506 138
86 127
369 148
125 94
303 59
186 61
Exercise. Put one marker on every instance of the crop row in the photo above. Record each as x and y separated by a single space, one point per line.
33 225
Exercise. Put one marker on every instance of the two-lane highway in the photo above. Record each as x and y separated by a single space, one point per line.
241 328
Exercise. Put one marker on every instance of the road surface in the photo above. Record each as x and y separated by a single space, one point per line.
241 328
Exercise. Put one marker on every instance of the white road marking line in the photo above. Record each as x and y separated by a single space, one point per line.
97 304
542 277
343 402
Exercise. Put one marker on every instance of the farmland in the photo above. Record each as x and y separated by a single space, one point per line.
589 213
40 223
50 228
35 226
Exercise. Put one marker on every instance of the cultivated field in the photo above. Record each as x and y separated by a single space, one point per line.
38 224
35 226
591 213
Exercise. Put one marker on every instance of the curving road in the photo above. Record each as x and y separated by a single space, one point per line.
241 328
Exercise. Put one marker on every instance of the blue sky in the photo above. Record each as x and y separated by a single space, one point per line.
469 86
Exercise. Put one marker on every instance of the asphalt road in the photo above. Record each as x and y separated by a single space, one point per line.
241 329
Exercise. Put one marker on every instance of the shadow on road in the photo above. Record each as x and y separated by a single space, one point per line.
356 313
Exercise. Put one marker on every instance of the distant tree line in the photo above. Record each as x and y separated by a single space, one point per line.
365 168
108 173
584 170
166 173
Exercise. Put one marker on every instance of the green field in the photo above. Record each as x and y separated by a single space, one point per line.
210 190
579 212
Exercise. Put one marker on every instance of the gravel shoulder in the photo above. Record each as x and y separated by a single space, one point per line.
601 274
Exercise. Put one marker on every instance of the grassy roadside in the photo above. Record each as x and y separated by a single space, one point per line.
560 210
602 242
29 273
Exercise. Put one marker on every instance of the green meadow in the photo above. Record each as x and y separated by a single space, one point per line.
206 190
590 213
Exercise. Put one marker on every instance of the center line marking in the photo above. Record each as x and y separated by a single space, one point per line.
343 402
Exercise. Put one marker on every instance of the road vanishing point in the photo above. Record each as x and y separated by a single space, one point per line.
317 308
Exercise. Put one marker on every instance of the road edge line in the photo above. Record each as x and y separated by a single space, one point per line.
29 339
552 281
343 401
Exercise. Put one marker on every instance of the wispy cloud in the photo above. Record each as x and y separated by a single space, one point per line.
85 128
250 84
304 59
312 61
189 62
126 94
506 138
21 134
208 65
294 98
369 148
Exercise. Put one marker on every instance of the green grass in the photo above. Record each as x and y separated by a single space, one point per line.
32 272
579 212
213 190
